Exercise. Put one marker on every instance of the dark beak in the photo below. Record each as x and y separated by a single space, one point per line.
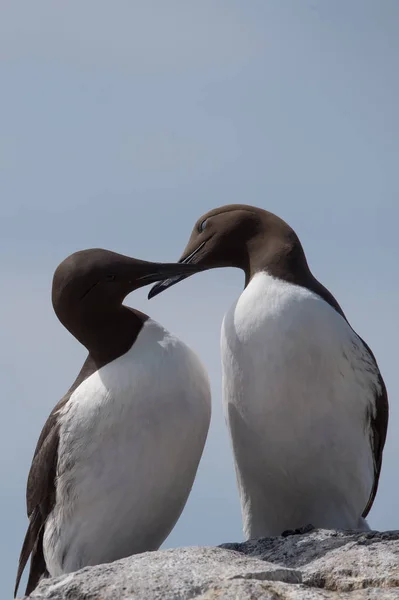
167 271
167 283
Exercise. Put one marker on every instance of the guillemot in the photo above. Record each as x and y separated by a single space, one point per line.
304 400
117 457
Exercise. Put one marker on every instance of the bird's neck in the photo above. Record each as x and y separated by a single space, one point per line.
286 261
107 334
281 258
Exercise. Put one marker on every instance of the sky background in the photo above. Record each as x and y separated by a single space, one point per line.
122 122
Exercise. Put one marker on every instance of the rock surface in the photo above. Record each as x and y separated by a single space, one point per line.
312 566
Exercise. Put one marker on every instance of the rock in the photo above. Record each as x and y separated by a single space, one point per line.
310 566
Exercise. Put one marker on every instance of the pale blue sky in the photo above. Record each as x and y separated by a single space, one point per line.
123 122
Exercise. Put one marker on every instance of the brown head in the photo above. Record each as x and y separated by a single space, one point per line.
88 291
246 237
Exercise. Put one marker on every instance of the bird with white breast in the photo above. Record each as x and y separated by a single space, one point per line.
118 455
304 400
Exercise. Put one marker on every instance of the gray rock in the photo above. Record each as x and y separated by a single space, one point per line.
311 566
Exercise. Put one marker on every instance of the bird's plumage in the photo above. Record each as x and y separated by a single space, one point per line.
41 488
131 437
301 393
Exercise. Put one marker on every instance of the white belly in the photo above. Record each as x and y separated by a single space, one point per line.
297 386
131 438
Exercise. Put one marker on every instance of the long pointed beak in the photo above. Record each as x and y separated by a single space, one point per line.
167 283
168 271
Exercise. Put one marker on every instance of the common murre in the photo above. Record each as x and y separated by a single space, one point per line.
304 400
117 457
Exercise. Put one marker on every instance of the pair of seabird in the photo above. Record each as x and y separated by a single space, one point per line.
304 401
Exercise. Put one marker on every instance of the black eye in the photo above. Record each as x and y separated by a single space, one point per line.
202 225
110 278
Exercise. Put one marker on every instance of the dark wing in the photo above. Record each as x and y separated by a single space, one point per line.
378 432
377 420
33 544
40 498
41 489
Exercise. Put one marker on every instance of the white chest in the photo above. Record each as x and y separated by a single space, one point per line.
131 438
283 343
297 386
